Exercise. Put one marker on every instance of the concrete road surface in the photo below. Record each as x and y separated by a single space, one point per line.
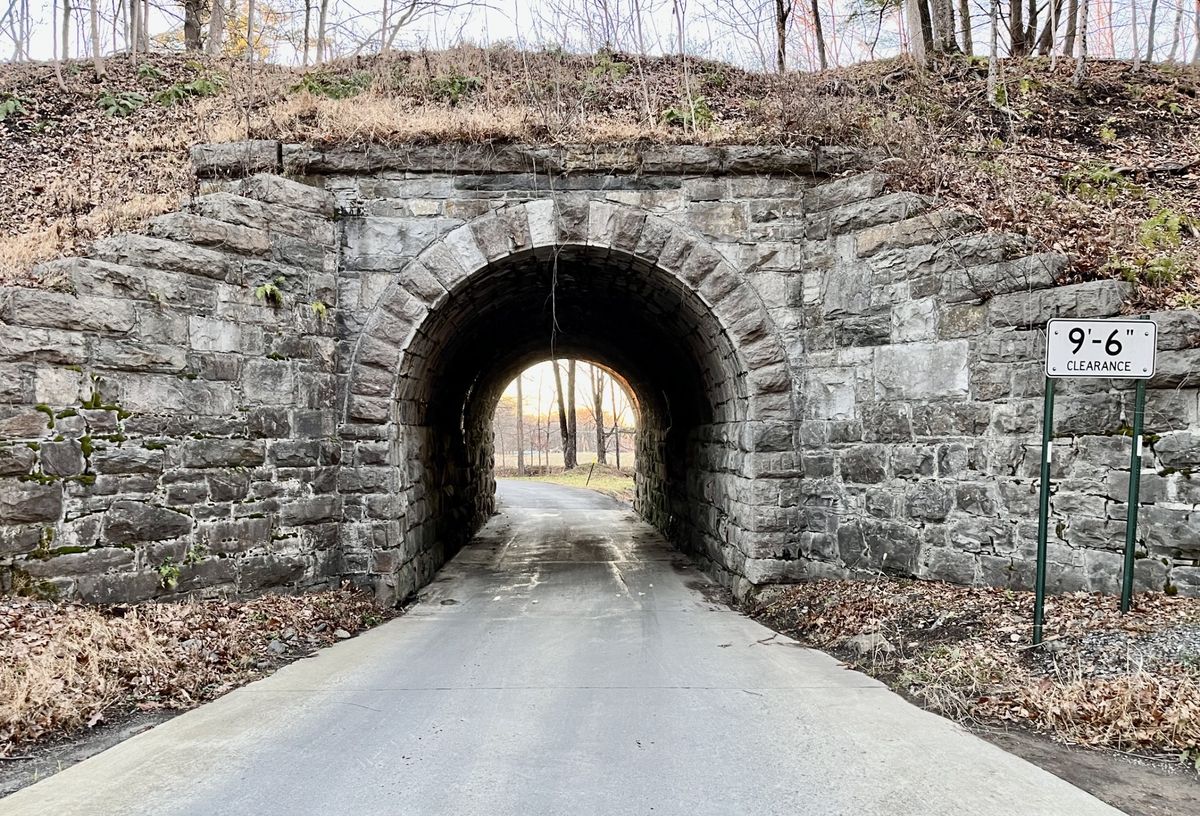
567 662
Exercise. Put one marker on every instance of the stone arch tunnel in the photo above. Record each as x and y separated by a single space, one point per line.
499 293
288 383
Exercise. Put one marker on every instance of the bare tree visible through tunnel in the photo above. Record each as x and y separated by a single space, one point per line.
598 412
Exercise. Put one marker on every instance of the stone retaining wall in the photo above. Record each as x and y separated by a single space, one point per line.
290 382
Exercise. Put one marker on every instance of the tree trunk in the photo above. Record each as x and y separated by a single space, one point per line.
612 395
964 19
216 28
1031 26
58 74
308 9
993 75
192 27
66 30
1196 47
1150 30
1137 40
117 6
819 34
572 418
598 413
322 17
920 28
520 429
782 9
94 28
1016 28
385 13
250 31
564 429
944 41
1045 43
1176 34
1072 24
1081 63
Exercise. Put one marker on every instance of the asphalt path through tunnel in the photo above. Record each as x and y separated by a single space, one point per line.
566 661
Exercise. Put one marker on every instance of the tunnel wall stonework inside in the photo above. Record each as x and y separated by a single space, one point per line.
289 383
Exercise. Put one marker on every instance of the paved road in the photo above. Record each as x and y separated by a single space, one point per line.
566 663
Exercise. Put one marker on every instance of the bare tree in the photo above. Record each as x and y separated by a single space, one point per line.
920 28
58 58
993 75
1045 43
399 15
322 30
1081 63
598 413
1196 24
66 30
564 424
612 394
1031 21
1072 21
250 31
964 17
1016 28
572 418
193 25
819 35
216 28
94 28
944 40
1150 24
783 10
679 12
520 426
1137 39
1176 34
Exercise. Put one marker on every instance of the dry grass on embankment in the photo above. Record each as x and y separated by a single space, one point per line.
67 667
1107 172
1103 680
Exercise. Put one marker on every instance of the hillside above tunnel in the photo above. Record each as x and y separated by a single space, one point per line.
1105 173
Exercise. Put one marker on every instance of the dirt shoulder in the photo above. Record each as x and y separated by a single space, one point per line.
1110 702
77 678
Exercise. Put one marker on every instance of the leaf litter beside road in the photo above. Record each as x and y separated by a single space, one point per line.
68 667
1129 683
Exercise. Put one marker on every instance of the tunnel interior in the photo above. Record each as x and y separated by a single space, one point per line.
603 306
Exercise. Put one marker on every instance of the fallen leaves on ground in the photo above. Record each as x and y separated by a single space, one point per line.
65 667
1106 173
1102 679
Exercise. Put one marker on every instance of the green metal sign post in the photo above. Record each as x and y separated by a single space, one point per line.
1131 508
1039 599
1122 349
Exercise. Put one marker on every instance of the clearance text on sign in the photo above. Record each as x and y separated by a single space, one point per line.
1100 348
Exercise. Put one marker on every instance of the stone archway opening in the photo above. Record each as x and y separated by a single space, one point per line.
568 302
639 296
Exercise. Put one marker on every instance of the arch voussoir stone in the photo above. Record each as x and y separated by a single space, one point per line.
503 233
542 216
464 249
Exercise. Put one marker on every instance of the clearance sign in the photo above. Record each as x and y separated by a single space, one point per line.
1100 348
1115 349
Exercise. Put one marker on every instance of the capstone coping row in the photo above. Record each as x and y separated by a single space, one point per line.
238 159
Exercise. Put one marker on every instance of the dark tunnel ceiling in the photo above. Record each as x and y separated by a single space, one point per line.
636 319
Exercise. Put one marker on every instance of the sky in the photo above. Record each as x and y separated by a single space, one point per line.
738 31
